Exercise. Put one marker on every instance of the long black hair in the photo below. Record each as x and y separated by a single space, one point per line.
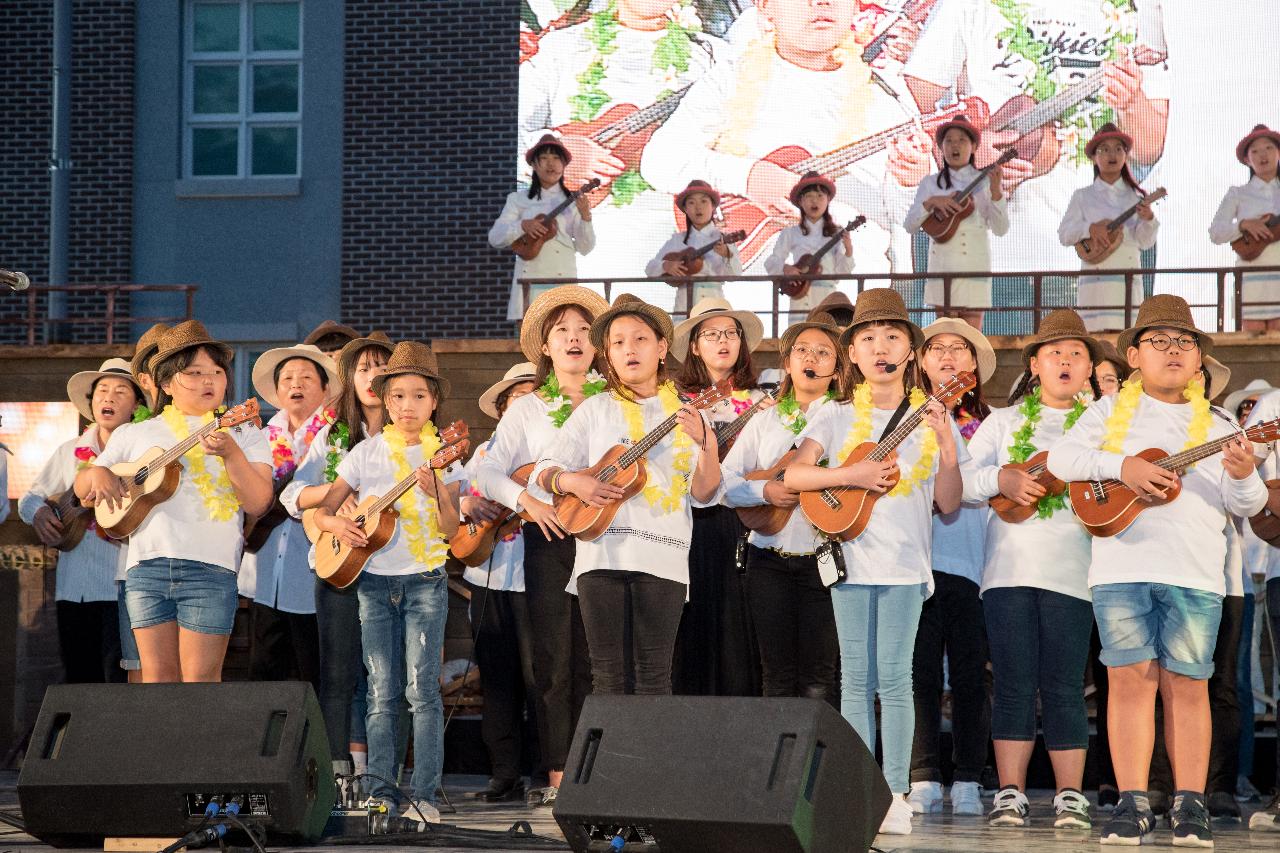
694 378
828 223
911 371
350 410
971 402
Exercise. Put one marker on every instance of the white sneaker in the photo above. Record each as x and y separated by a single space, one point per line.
925 797
966 799
898 819
421 812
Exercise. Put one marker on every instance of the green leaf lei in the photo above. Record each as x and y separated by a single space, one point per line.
792 416
141 413
562 405
1022 449
339 441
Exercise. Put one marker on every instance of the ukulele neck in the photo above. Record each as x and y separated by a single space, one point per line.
890 442
180 449
731 429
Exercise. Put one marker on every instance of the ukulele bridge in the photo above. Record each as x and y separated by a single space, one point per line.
1097 492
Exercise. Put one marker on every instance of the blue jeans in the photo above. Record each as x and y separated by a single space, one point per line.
1244 687
129 659
1174 625
876 627
200 597
402 622
1039 641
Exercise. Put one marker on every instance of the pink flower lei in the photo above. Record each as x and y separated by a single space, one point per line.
283 461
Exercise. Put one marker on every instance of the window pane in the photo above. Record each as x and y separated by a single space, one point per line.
215 89
275 150
275 88
275 26
213 150
217 27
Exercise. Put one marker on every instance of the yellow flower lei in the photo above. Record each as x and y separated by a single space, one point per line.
215 489
861 432
1121 417
421 530
673 499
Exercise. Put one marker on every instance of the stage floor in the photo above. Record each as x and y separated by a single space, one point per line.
934 834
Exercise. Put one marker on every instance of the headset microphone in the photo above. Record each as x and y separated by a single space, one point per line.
893 368
813 374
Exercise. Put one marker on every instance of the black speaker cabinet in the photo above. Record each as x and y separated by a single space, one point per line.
145 759
710 774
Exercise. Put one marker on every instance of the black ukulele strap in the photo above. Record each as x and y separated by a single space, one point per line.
897 417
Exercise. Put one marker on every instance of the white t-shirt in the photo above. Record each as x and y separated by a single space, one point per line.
1046 553
368 469
896 547
1181 543
181 528
525 434
1262 557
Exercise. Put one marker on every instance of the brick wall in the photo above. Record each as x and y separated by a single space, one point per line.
428 147
101 149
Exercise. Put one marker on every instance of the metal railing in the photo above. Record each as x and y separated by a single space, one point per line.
37 321
1228 307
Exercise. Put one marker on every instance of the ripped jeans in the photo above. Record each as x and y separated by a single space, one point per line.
402 619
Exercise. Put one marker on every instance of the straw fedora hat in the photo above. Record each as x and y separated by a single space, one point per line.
881 305
1260 131
146 347
1166 311
1062 325
1256 388
836 300
984 354
963 123
186 335
1108 131
808 181
412 357
625 303
331 327
264 370
347 356
80 385
525 371
698 186
548 303
709 308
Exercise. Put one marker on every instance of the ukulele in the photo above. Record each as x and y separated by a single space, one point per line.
154 476
75 518
337 563
844 511
1108 507
766 518
475 540
740 212
528 247
1037 140
1266 524
624 467
692 258
257 529
1249 248
915 11
727 434
943 226
810 263
1105 237
1015 513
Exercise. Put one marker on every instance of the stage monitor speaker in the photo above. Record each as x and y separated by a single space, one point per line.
145 760
719 775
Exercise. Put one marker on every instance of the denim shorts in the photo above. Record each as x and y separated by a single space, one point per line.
201 597
129 659
1153 621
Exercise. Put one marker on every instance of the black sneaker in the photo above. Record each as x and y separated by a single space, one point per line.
1108 796
502 791
1128 826
1189 820
1223 806
1009 808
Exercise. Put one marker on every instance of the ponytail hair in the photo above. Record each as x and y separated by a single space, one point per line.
688 229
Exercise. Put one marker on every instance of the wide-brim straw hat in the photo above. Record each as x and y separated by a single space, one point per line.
1164 310
626 303
698 186
80 385
264 370
347 355
708 309
881 305
963 123
833 301
186 335
983 352
548 140
1260 131
525 371
550 302
795 330
331 327
1062 325
809 180
146 347
1108 131
1256 388
415 358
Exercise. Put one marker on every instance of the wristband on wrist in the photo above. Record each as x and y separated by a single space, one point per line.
555 482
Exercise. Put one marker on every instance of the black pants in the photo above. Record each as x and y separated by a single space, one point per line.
795 626
89 640
561 665
504 654
1224 709
716 651
1101 698
951 623
283 646
1273 616
652 606
341 661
